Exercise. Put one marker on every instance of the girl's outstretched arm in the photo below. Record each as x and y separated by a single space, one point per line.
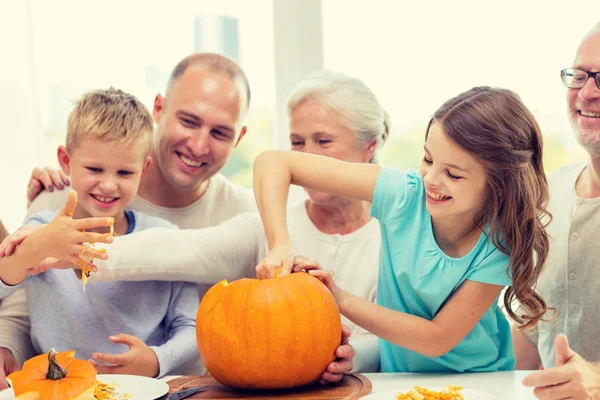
434 338
274 171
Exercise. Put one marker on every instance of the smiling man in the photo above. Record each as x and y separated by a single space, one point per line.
199 123
570 278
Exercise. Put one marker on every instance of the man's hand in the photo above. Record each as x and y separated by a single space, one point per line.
138 360
343 363
9 365
45 178
572 378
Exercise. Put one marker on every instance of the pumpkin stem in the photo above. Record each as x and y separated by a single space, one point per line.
55 371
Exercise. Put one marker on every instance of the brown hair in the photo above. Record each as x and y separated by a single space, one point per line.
215 63
500 132
112 115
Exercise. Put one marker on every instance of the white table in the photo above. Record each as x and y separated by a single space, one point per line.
502 385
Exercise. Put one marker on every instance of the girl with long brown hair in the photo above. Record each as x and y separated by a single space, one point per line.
453 236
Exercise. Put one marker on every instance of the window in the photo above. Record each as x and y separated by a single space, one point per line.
416 55
62 48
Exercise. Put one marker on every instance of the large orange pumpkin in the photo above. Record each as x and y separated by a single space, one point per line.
268 334
54 376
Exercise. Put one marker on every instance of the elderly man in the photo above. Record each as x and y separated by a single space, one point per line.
570 279
199 123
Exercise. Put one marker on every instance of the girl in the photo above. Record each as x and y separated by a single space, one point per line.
452 237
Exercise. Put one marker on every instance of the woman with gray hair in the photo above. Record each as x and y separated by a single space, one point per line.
330 114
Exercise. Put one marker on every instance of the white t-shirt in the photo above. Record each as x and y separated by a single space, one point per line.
232 250
353 258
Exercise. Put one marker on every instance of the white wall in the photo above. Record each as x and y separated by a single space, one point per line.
20 137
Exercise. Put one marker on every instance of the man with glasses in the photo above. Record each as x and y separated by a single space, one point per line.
570 280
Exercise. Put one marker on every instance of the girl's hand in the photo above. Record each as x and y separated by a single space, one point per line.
138 360
64 237
302 263
279 258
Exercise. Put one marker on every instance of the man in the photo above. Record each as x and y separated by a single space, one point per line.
199 123
569 281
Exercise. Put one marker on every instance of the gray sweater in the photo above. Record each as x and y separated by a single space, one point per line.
64 317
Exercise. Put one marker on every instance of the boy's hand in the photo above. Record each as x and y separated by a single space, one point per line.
64 237
138 360
278 258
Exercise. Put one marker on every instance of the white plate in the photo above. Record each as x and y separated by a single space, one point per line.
139 387
467 394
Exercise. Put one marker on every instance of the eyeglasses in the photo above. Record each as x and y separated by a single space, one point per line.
575 78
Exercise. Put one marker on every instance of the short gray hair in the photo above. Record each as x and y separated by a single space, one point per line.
349 97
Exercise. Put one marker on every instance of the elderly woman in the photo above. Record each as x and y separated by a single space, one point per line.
330 114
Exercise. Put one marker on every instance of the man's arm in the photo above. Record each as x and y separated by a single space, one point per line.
15 326
229 251
526 352
14 321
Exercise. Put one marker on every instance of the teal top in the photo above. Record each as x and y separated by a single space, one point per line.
416 277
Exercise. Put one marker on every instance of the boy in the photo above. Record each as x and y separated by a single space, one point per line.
108 141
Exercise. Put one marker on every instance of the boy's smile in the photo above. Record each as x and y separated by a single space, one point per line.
106 175
103 201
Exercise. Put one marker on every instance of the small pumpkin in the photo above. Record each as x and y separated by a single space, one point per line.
268 334
54 376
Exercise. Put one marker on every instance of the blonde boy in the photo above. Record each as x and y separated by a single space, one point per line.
143 328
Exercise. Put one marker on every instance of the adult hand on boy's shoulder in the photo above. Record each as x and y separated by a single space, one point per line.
9 365
45 178
343 363
138 360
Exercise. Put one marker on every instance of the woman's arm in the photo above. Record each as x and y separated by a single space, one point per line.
229 251
274 171
432 338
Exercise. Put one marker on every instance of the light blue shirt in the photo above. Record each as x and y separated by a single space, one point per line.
64 317
416 277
